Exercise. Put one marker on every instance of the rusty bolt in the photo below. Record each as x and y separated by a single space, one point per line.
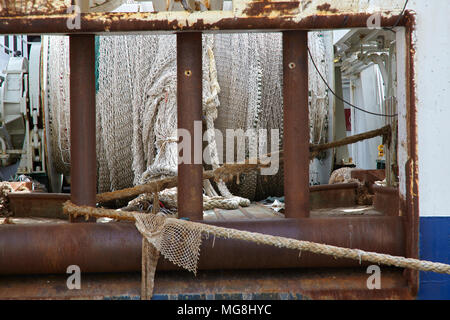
188 73
291 65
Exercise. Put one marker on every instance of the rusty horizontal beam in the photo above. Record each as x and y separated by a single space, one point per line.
116 247
38 204
49 205
339 283
99 23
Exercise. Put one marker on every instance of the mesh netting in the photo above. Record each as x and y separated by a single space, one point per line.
179 243
58 101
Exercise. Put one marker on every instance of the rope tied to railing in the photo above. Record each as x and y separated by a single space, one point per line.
160 231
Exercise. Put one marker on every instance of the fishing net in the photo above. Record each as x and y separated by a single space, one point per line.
136 105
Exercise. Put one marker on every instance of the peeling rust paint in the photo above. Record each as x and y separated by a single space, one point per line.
410 204
99 23
246 15
24 8
326 7
267 7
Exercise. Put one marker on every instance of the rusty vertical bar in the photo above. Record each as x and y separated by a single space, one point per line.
189 108
296 123
83 170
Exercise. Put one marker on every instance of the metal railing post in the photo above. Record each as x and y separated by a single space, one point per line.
189 108
83 169
296 123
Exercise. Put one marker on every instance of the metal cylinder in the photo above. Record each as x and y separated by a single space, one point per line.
83 171
375 234
51 248
296 124
189 108
116 247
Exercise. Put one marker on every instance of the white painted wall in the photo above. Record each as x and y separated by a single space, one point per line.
432 73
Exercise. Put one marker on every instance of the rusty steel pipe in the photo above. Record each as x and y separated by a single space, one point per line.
51 248
189 108
116 247
376 234
119 22
296 124
83 170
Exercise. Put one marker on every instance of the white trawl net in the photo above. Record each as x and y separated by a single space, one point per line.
249 67
58 101
114 103
136 109
136 103
250 76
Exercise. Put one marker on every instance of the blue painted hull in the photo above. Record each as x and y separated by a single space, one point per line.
434 245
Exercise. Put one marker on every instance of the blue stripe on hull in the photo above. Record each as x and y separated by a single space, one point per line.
434 246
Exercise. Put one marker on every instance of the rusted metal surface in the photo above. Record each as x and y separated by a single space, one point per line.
83 169
54 287
51 248
189 108
378 234
412 225
386 200
332 195
274 281
296 124
116 247
326 7
283 284
24 8
410 205
298 7
48 205
267 7
100 23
